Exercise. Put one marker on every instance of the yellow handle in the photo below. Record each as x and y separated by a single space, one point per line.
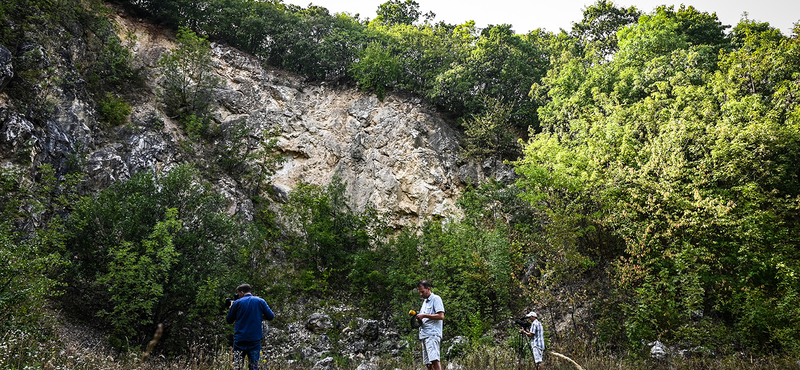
412 313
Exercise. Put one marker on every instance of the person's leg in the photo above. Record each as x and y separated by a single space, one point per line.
253 355
432 348
246 351
537 357
425 360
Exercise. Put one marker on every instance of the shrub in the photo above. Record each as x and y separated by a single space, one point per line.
156 249
113 110
188 79
325 234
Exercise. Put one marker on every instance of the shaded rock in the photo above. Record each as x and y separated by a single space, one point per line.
372 364
16 136
6 68
367 329
319 322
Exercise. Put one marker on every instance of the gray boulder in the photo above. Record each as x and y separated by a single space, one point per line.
319 322
657 350
367 329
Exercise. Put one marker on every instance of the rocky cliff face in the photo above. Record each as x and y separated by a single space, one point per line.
396 155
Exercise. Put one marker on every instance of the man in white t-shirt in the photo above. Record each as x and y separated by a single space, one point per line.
430 317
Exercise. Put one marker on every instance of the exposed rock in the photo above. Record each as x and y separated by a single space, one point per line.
6 68
325 363
455 346
372 364
395 155
367 329
319 322
657 350
16 136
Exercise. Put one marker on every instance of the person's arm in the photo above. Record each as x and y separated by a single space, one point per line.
437 316
231 317
266 312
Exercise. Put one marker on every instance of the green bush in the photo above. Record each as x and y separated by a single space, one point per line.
325 234
377 69
156 249
113 110
30 257
188 80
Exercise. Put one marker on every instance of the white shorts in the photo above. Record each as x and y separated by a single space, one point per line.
430 349
537 354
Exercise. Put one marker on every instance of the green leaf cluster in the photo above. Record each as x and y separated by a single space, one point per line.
113 110
325 234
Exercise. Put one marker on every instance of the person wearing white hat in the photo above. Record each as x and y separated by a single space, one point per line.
536 334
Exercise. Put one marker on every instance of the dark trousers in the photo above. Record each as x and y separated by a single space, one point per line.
249 350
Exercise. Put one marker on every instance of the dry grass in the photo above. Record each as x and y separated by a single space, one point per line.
20 350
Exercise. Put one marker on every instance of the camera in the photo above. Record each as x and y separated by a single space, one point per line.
523 323
229 301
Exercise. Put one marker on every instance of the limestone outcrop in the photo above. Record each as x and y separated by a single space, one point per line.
396 155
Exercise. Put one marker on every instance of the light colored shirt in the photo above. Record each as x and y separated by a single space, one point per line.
537 340
431 328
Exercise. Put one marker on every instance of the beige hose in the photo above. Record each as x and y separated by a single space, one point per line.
566 358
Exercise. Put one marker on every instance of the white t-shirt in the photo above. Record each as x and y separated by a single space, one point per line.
431 328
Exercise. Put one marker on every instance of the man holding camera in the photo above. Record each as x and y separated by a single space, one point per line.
536 334
430 317
248 311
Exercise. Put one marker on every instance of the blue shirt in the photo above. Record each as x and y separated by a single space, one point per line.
248 312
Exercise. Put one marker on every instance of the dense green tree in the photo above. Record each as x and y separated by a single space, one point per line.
426 51
502 66
377 69
398 12
318 44
155 249
246 24
601 22
325 234
31 244
490 135
678 149
667 30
